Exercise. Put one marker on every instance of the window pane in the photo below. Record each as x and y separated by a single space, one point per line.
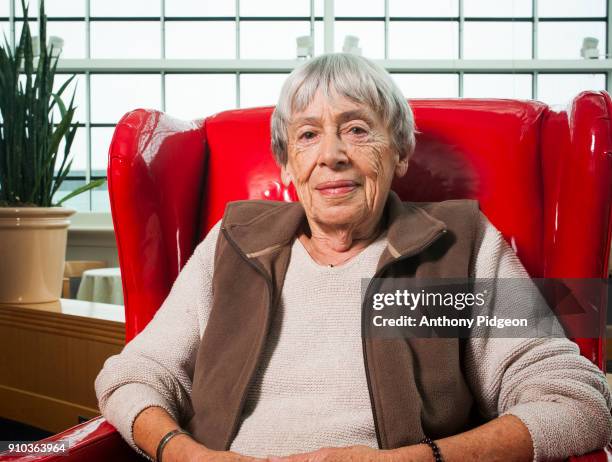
319 7
73 34
113 95
79 202
561 88
371 36
77 85
260 39
19 28
32 9
200 8
428 85
100 199
432 8
423 40
506 8
274 8
5 31
123 8
195 96
100 142
125 40
5 9
180 43
70 8
492 40
571 8
564 40
65 8
260 89
359 8
513 86
78 152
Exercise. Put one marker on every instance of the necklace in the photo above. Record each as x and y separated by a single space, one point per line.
310 250
331 265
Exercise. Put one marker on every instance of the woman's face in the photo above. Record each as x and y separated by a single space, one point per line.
340 161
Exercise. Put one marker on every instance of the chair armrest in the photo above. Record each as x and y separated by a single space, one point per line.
602 455
94 440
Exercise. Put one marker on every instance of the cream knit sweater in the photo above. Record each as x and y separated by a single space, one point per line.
310 390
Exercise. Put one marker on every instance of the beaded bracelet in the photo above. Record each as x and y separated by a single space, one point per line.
434 447
167 437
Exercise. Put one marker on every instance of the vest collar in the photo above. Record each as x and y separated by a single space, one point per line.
410 229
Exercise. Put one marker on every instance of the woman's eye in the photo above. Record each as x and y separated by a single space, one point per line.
357 130
307 135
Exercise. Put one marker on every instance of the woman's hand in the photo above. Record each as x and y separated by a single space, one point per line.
202 454
417 453
189 450
207 455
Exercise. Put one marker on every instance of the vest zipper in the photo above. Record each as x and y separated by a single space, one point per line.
363 338
243 398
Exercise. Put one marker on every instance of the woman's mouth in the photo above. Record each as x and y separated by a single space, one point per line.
336 188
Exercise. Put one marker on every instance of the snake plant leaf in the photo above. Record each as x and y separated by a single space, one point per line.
87 187
60 104
57 96
61 174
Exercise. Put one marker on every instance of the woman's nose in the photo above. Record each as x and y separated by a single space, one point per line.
333 152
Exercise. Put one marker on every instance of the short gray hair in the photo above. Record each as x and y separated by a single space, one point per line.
352 76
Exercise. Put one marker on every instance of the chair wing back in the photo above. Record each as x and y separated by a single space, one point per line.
543 178
577 183
155 177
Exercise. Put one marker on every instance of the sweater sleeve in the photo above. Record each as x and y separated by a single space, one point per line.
156 367
562 398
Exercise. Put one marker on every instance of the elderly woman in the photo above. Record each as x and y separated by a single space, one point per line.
257 351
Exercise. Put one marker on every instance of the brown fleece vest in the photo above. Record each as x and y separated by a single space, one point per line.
416 385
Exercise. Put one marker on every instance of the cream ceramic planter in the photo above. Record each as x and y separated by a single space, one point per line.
32 253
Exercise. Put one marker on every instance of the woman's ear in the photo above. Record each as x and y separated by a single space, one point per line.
286 177
402 166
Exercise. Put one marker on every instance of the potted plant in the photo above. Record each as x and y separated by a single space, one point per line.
33 228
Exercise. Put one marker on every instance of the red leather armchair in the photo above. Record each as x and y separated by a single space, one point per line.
544 178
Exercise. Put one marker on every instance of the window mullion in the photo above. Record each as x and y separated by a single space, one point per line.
534 29
237 52
12 23
88 136
387 29
237 29
608 52
328 22
312 24
88 102
162 24
461 31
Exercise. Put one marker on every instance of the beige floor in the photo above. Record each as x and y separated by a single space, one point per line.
609 380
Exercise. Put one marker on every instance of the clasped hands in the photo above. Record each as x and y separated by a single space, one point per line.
417 453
